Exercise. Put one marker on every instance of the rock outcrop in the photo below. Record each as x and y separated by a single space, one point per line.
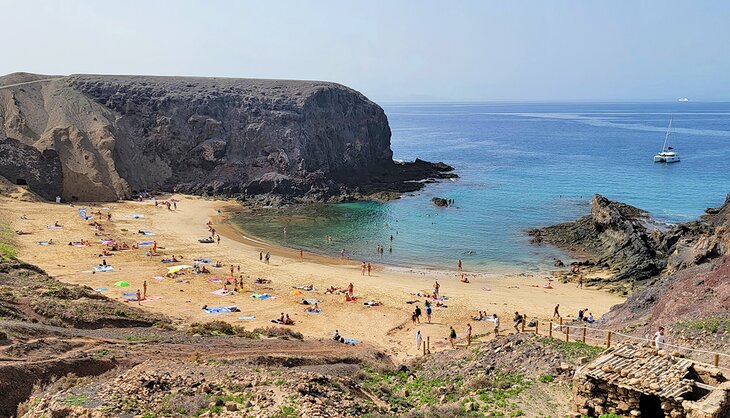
115 135
614 235
25 165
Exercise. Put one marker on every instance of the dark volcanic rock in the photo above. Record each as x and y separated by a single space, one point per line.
24 165
614 234
440 201
119 134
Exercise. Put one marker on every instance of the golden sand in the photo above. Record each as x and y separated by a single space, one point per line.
388 327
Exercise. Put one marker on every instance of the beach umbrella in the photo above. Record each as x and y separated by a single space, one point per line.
175 269
121 284
295 292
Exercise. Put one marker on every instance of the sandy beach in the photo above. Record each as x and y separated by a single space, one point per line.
177 232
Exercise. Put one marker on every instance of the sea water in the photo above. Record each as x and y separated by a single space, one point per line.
521 166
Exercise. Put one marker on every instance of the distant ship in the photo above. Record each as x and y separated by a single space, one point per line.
667 154
683 99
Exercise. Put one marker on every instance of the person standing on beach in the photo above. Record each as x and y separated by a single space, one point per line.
458 265
580 281
428 313
219 239
468 335
174 204
419 339
436 287
452 336
363 267
301 253
139 298
154 247
417 312
369 268
496 325
555 312
144 286
342 253
518 321
267 257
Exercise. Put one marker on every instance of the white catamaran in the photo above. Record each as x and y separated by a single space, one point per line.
667 155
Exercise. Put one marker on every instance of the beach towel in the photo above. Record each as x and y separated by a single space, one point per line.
371 303
101 289
129 294
107 241
261 296
486 289
313 311
121 284
351 341
205 241
310 301
222 292
148 233
145 243
103 268
247 318
221 309
78 244
175 269
159 278
54 227
168 260
205 260
214 279
135 216
43 243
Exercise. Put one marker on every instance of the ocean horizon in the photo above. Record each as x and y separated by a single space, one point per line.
521 165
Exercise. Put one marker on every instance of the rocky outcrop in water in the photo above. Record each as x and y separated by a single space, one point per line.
116 135
624 238
614 235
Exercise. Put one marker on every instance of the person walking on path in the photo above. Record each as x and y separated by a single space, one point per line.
417 312
518 321
419 339
659 338
428 313
556 313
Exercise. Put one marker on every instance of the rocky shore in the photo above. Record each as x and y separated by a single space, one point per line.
103 138
626 242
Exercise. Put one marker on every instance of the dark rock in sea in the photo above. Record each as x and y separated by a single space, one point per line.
116 135
615 234
440 202
623 238
25 165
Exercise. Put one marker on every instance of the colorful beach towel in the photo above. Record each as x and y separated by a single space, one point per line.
261 296
101 289
247 318
214 280
313 311
205 260
129 294
351 341
102 269
159 278
221 309
43 243
222 292
145 243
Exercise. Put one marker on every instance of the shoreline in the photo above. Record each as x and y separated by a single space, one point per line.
387 327
234 231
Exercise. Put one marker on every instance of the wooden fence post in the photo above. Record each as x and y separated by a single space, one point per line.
550 331
424 349
567 334
716 359
537 327
608 339
561 324
584 334
523 323
428 343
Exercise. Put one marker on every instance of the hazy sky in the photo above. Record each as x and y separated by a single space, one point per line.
390 49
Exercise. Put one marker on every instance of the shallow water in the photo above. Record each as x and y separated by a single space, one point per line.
521 166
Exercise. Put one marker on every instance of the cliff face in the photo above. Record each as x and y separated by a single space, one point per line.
119 134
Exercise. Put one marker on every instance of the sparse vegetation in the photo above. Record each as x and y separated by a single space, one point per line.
76 400
572 349
711 325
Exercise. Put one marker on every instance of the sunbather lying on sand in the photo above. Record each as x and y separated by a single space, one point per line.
262 281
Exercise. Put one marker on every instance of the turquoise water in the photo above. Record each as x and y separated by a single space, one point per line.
521 166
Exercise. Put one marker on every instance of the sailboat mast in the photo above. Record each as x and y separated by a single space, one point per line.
666 136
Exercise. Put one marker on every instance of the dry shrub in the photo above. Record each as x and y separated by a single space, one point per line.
282 333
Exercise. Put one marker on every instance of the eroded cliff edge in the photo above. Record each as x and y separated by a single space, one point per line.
116 135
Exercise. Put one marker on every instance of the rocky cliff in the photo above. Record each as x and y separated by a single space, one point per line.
115 135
